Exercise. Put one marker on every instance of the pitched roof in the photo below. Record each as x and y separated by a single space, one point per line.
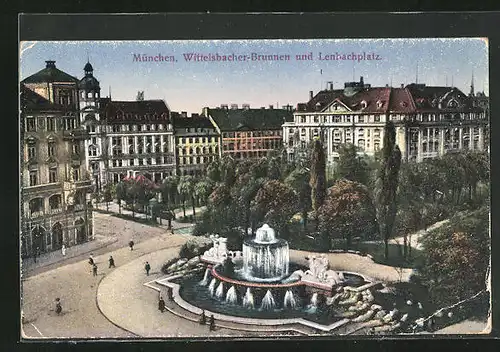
34 101
249 119
410 99
191 122
50 74
135 111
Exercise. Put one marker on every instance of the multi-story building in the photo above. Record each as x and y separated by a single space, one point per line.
138 140
429 121
55 184
196 141
248 133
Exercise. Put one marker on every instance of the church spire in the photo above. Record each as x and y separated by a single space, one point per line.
472 85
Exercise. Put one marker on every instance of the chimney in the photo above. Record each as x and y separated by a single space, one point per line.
50 64
271 107
246 106
223 106
234 106
361 80
184 114
330 85
402 85
387 85
310 95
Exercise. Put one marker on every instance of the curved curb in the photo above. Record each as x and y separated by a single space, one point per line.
104 315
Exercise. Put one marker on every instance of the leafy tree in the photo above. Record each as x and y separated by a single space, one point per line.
186 190
298 180
318 176
275 203
169 190
214 171
456 257
348 211
203 189
228 170
388 184
120 194
107 194
352 166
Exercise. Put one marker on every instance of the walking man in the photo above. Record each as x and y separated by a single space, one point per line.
94 269
147 267
63 250
111 262
91 259
58 306
203 318
212 323
131 245
161 304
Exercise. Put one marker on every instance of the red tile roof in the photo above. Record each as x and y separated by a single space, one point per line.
136 111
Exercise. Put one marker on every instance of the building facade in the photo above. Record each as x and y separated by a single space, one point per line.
196 143
248 133
429 121
55 184
138 140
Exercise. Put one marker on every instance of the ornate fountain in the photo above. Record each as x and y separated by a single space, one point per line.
265 257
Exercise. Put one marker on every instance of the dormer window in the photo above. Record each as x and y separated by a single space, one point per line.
380 103
364 104
404 104
452 103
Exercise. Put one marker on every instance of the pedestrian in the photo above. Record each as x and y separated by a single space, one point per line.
203 318
131 245
63 250
161 304
212 323
170 294
111 262
147 267
58 306
91 259
34 255
94 269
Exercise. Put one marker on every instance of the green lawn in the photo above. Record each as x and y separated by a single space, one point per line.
376 250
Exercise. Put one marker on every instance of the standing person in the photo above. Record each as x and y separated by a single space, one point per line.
94 269
131 245
58 306
111 262
212 323
34 255
63 250
148 268
91 259
203 318
161 304
170 294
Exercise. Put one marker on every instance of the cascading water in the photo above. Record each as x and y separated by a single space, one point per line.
314 300
204 282
289 301
268 301
231 296
248 299
219 293
265 257
211 287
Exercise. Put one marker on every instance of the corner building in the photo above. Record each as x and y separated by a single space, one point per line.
430 121
55 184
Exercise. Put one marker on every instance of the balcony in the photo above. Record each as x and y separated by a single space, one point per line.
36 214
75 134
429 155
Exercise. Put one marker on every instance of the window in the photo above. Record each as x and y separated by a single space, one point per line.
115 128
302 119
76 174
51 149
75 148
141 161
53 175
348 119
361 119
51 124
131 162
33 178
31 150
377 118
149 161
92 150
157 161
30 124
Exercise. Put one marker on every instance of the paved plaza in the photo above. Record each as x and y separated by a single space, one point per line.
117 304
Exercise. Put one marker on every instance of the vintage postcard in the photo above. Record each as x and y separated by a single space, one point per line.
254 188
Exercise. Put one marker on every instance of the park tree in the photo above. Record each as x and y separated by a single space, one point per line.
120 194
388 184
347 212
317 179
168 190
185 188
107 194
298 180
456 257
352 166
203 189
275 203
